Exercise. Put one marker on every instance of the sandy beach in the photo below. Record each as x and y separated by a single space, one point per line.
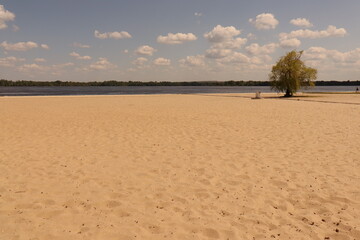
206 166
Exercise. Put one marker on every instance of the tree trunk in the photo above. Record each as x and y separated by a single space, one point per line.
288 93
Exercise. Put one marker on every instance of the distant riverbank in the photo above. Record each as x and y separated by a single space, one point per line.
128 90
113 83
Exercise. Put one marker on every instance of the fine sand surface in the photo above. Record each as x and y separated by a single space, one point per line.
201 166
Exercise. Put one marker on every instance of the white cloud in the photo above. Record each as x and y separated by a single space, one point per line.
331 31
235 43
264 21
193 61
74 54
251 36
5 16
40 60
221 34
235 58
323 54
301 22
145 50
44 46
78 56
217 53
20 46
10 61
57 69
223 38
102 64
177 38
32 67
139 61
241 62
162 61
62 65
43 69
114 35
198 14
315 53
256 49
262 59
290 43
333 63
224 44
15 28
126 51
80 45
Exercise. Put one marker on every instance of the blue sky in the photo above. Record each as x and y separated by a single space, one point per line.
168 40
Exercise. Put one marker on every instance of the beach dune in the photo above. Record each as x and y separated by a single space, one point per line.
180 167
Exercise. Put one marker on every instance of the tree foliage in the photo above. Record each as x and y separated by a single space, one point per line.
290 74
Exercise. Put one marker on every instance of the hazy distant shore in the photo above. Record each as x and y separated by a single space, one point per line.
139 90
8 83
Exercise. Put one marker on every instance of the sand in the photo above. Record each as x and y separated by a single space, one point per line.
201 166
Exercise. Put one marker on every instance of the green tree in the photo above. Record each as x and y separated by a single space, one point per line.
290 74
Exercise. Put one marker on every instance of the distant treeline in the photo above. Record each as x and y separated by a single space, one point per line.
22 83
131 83
337 83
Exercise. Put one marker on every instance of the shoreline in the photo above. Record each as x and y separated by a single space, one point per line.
298 94
139 90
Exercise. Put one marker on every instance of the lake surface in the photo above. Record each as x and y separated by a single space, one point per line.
127 90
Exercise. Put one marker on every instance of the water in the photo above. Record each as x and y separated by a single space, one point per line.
126 90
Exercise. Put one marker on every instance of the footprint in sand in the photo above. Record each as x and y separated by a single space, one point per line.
121 213
211 233
154 229
112 204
